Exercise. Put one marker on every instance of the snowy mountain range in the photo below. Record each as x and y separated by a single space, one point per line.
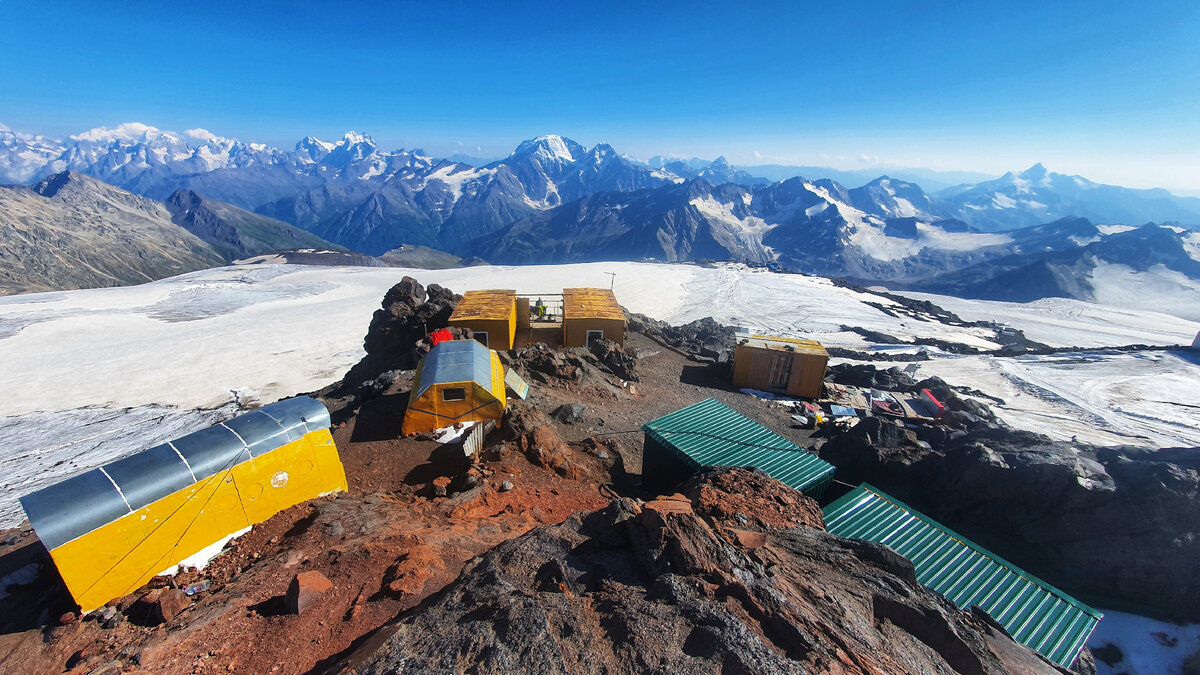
366 198
554 200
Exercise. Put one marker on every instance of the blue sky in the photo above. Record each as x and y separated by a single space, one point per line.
1104 89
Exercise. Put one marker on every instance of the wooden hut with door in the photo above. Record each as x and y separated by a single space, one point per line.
590 314
491 315
788 366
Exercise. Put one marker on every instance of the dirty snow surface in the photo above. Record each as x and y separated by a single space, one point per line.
1147 646
90 376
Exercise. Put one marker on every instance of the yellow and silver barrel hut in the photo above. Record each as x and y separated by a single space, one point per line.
113 528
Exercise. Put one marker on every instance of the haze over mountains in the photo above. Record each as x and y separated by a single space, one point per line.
1022 236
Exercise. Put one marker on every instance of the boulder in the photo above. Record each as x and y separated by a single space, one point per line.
305 589
170 602
569 413
529 430
613 357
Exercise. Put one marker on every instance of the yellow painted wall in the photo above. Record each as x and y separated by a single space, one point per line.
501 332
118 558
575 330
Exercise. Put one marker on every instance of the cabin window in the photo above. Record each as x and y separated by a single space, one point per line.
454 394
480 335
594 335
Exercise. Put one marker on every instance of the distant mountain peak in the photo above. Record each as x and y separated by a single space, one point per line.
354 138
550 146
1035 171
55 183
313 142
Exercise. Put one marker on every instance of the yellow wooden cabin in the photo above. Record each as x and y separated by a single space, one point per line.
789 366
457 381
111 529
589 314
491 315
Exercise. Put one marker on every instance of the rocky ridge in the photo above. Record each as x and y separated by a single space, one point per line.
685 584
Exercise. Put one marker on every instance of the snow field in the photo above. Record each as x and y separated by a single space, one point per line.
95 375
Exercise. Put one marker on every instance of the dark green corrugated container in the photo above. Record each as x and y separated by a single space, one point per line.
1035 613
710 434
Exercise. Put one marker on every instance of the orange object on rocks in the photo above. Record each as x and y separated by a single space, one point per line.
440 335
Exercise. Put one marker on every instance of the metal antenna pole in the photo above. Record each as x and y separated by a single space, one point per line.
612 279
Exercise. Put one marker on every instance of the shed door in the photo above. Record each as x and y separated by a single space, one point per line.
781 372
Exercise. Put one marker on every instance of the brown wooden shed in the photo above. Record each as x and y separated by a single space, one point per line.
590 313
784 365
490 314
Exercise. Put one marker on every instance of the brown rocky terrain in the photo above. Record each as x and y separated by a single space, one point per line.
685 584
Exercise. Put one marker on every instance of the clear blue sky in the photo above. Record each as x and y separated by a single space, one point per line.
1105 89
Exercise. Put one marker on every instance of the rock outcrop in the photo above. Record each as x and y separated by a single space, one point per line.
673 586
1116 526
702 339
395 341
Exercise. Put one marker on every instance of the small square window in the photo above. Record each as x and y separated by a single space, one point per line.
593 335
480 335
454 394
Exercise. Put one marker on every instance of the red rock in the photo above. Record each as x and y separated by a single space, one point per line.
67 618
749 539
170 603
304 590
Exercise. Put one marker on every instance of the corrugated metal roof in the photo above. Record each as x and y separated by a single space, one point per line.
711 434
796 345
454 361
78 505
489 305
1035 613
591 303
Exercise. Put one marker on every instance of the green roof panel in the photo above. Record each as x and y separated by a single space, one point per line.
1035 613
711 434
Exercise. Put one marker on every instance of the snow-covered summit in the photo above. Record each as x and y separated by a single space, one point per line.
550 147
354 138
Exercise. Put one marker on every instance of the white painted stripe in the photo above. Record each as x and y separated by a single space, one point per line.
283 428
244 445
184 460
118 487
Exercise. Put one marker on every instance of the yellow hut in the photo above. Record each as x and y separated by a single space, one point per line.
786 365
589 314
457 381
111 529
491 315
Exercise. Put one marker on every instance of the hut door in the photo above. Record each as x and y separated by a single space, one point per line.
781 372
